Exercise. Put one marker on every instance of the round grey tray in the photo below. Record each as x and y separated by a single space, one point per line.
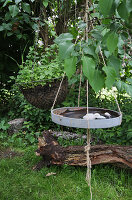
73 117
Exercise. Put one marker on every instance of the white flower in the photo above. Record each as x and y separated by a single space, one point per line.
39 63
40 43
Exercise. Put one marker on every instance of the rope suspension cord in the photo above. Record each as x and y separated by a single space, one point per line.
58 92
75 9
87 150
79 93
87 147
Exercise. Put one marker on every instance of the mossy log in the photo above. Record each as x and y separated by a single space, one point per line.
55 154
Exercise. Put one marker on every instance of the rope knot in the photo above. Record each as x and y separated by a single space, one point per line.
87 148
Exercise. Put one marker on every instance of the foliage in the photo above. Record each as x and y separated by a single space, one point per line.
3 125
17 18
20 17
16 32
40 67
101 45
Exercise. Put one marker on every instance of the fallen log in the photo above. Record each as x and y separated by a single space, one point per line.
55 154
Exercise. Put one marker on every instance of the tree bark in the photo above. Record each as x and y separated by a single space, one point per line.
54 154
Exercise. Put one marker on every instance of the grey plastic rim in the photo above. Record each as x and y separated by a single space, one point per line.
83 123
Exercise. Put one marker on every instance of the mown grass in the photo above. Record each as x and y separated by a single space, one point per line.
19 182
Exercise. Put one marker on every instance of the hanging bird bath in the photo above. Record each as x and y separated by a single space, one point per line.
77 117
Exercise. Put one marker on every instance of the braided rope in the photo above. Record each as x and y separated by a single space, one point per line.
80 87
58 92
87 149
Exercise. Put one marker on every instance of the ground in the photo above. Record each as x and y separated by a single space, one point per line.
8 153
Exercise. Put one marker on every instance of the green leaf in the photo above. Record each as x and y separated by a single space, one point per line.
45 3
1 28
6 26
96 34
26 7
14 10
105 6
129 134
129 80
31 139
88 68
65 49
81 25
7 16
122 10
64 37
70 66
115 63
90 50
129 5
19 36
17 1
98 81
112 41
3 125
121 86
35 26
110 76
6 2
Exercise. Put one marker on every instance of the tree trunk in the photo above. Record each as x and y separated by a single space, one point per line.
54 154
44 30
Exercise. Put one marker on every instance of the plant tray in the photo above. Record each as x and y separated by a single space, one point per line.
73 117
43 96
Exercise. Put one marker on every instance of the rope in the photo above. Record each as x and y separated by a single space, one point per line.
87 147
75 9
58 92
117 104
80 87
87 150
87 100
102 55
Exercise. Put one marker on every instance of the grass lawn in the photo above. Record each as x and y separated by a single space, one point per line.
19 182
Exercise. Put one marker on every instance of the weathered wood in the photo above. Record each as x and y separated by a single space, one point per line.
54 154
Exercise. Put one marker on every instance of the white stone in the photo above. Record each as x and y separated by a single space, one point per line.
89 116
107 114
98 116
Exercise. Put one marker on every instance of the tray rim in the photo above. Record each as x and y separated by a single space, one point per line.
83 123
